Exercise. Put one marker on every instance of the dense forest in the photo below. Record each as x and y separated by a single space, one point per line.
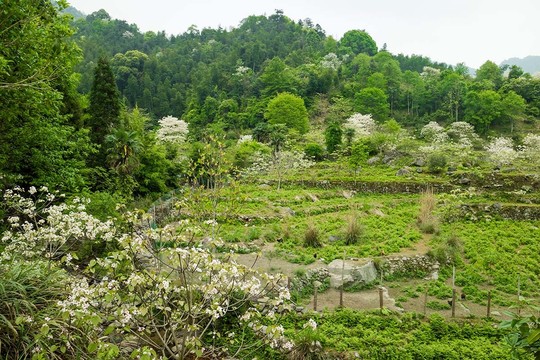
220 82
144 174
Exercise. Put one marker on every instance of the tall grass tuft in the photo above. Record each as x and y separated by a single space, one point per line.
28 296
311 236
355 230
427 220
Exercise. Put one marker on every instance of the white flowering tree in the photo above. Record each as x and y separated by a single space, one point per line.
531 147
40 228
463 134
172 130
363 125
331 61
149 297
457 140
279 163
433 132
501 151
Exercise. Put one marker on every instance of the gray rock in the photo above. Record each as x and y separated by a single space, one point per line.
418 162
373 160
286 211
348 194
464 181
333 238
497 206
351 273
387 159
419 170
378 212
264 186
403 172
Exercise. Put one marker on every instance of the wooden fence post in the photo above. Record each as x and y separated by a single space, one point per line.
425 299
453 302
489 304
316 285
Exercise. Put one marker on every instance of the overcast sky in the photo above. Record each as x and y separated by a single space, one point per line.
451 31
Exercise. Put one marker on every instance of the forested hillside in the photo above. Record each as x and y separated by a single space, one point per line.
212 76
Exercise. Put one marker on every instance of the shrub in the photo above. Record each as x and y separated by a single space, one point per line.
311 236
332 136
29 317
314 151
437 305
436 162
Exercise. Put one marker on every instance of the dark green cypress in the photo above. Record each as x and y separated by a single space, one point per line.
105 104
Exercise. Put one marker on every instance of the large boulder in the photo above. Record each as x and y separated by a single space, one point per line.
353 273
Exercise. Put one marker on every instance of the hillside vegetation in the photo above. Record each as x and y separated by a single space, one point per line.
186 196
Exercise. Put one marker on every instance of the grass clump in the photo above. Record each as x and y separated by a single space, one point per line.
355 230
311 236
427 220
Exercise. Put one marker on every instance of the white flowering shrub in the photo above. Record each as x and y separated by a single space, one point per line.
149 296
433 132
531 147
363 125
176 307
283 161
501 151
172 130
39 228
462 133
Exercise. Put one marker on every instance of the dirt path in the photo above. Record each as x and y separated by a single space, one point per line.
269 262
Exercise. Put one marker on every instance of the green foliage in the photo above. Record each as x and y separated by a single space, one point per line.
392 336
29 318
372 101
104 106
333 135
39 136
359 154
524 337
356 42
438 305
482 109
436 163
289 110
314 151
278 78
245 152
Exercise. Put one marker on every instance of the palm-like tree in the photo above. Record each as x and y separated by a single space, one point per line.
123 149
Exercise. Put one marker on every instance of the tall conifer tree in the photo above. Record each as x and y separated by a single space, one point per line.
104 107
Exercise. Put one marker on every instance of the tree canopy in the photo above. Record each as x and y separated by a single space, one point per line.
288 109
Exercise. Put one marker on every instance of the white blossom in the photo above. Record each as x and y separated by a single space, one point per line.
500 150
172 130
363 125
